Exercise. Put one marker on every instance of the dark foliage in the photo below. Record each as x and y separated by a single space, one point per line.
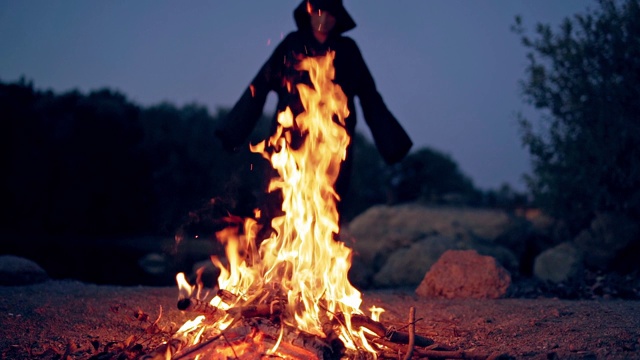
72 163
95 176
428 175
188 166
99 165
585 79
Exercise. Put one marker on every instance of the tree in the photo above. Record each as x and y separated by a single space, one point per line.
72 163
585 78
428 175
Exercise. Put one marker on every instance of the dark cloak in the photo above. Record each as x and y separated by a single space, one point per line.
351 73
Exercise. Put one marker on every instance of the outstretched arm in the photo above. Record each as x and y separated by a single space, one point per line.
390 138
236 127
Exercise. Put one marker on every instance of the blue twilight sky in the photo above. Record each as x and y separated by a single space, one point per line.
448 69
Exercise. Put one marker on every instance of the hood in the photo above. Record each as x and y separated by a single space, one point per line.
344 21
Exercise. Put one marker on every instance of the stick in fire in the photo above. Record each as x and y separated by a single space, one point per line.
197 306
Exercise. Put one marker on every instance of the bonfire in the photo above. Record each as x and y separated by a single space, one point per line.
289 296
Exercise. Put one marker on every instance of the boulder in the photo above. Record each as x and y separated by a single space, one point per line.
379 222
465 274
407 266
154 263
394 246
559 264
608 242
502 254
15 270
374 248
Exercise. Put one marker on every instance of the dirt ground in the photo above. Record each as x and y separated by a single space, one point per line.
72 320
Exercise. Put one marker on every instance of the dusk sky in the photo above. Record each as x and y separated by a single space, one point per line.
448 69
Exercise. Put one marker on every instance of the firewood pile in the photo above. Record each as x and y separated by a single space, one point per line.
258 330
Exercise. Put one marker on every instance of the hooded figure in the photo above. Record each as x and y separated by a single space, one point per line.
321 24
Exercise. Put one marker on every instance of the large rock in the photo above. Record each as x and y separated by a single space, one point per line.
504 256
558 264
465 274
375 247
395 246
407 266
609 241
15 270
379 222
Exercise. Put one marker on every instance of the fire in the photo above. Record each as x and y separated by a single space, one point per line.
299 273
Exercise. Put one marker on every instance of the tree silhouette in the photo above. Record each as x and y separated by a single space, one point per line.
73 162
100 165
585 79
428 175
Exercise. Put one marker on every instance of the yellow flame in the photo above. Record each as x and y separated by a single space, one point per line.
301 264
183 286
376 312
303 255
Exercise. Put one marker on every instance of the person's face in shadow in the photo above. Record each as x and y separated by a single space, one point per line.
322 22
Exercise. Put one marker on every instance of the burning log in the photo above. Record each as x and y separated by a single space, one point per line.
297 352
227 296
195 350
253 339
197 306
332 337
297 341
259 310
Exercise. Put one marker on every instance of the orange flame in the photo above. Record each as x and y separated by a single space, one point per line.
303 255
301 263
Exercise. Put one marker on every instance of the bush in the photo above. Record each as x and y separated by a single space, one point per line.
585 79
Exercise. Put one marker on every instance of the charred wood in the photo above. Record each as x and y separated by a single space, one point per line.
332 338
197 306
391 335
227 296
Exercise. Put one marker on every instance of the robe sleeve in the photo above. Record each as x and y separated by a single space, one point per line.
390 138
236 127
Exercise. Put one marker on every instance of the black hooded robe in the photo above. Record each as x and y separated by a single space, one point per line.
351 73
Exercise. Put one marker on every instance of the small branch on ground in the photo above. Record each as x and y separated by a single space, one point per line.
394 336
412 329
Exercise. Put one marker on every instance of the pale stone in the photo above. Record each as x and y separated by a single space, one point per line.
558 264
609 243
407 266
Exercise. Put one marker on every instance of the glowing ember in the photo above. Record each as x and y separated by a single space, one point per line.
299 273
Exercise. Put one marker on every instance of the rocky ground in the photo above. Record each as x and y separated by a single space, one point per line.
73 320
491 283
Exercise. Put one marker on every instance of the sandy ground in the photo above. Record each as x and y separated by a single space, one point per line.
72 320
